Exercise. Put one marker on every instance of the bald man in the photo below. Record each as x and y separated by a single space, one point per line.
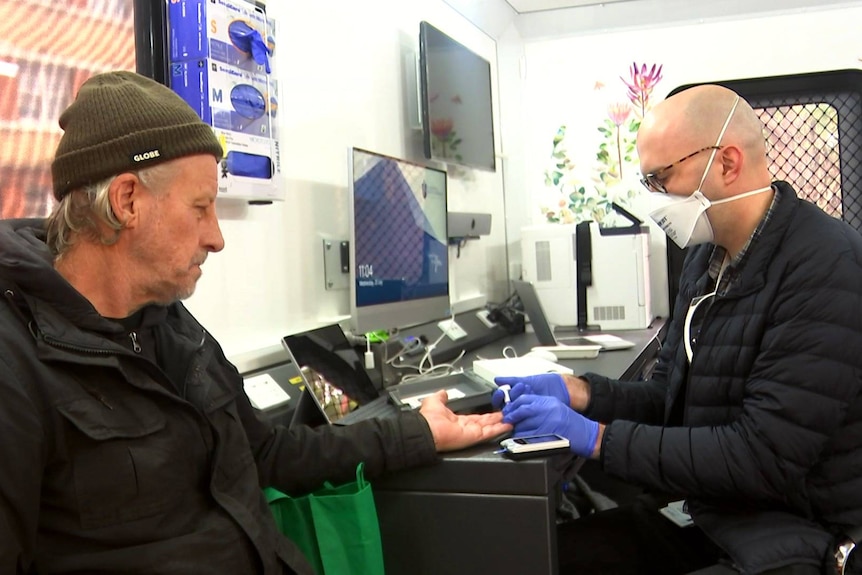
754 412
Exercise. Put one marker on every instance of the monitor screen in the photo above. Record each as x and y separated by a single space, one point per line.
399 257
457 115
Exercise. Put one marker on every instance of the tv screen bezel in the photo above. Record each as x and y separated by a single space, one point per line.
424 27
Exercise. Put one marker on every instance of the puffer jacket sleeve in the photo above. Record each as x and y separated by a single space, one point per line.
21 451
803 385
300 459
646 401
642 401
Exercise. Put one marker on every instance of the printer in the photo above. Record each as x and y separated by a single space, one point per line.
588 277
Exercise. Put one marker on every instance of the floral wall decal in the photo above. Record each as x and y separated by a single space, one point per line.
641 85
616 157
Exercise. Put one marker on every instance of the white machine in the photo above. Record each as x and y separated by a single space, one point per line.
590 277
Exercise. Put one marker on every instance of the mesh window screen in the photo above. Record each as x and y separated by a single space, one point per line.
802 144
813 128
814 146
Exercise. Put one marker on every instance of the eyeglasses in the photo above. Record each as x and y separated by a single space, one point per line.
652 182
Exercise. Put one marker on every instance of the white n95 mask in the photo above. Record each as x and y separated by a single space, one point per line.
684 219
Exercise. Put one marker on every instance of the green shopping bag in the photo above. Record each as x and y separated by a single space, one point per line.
335 527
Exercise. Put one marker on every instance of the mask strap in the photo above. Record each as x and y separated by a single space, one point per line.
740 196
695 303
718 141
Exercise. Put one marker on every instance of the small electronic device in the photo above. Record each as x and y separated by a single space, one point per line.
676 512
534 445
528 364
568 351
542 354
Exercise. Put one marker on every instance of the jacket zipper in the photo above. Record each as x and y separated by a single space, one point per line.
77 348
135 345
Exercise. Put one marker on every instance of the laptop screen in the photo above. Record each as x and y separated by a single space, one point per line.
332 370
533 309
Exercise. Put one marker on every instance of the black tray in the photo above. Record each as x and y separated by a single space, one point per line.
467 392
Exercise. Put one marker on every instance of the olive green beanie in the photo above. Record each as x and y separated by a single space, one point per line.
120 122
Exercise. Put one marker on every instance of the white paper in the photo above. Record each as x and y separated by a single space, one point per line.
415 401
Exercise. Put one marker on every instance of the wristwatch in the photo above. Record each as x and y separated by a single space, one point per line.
844 554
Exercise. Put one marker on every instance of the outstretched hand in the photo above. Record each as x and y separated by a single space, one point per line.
452 431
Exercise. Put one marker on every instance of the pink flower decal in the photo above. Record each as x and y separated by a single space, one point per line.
641 84
619 112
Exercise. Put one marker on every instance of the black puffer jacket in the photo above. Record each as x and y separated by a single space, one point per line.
109 465
770 451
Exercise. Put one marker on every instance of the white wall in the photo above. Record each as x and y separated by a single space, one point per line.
562 75
346 79
344 82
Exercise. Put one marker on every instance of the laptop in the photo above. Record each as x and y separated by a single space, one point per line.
341 391
563 347
337 388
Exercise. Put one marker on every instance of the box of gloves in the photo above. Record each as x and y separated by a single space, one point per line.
233 32
227 97
221 65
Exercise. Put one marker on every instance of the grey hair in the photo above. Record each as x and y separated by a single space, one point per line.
87 212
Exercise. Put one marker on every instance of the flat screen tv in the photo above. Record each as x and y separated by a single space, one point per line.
399 258
457 114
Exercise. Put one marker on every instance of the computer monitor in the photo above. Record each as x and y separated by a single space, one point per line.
399 258
457 108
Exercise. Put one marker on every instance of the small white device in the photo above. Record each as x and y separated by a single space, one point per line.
534 445
542 354
675 511
569 351
488 369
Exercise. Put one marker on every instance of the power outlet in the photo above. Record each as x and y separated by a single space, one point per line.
482 314
452 329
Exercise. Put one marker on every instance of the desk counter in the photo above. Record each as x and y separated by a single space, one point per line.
477 511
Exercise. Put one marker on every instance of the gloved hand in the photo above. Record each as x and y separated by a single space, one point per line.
538 415
547 384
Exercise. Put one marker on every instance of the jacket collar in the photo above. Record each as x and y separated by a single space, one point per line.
753 275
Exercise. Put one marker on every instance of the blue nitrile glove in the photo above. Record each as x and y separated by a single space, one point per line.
538 415
547 384
249 40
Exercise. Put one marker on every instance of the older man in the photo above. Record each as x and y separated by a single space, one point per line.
127 443
754 413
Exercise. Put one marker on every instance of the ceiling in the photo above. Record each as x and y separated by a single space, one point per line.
546 19
525 6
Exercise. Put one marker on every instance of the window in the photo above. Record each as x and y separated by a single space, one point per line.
803 149
49 49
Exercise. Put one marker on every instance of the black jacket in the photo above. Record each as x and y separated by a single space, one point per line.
113 465
769 453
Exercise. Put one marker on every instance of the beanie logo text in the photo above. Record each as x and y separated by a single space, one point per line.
146 156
